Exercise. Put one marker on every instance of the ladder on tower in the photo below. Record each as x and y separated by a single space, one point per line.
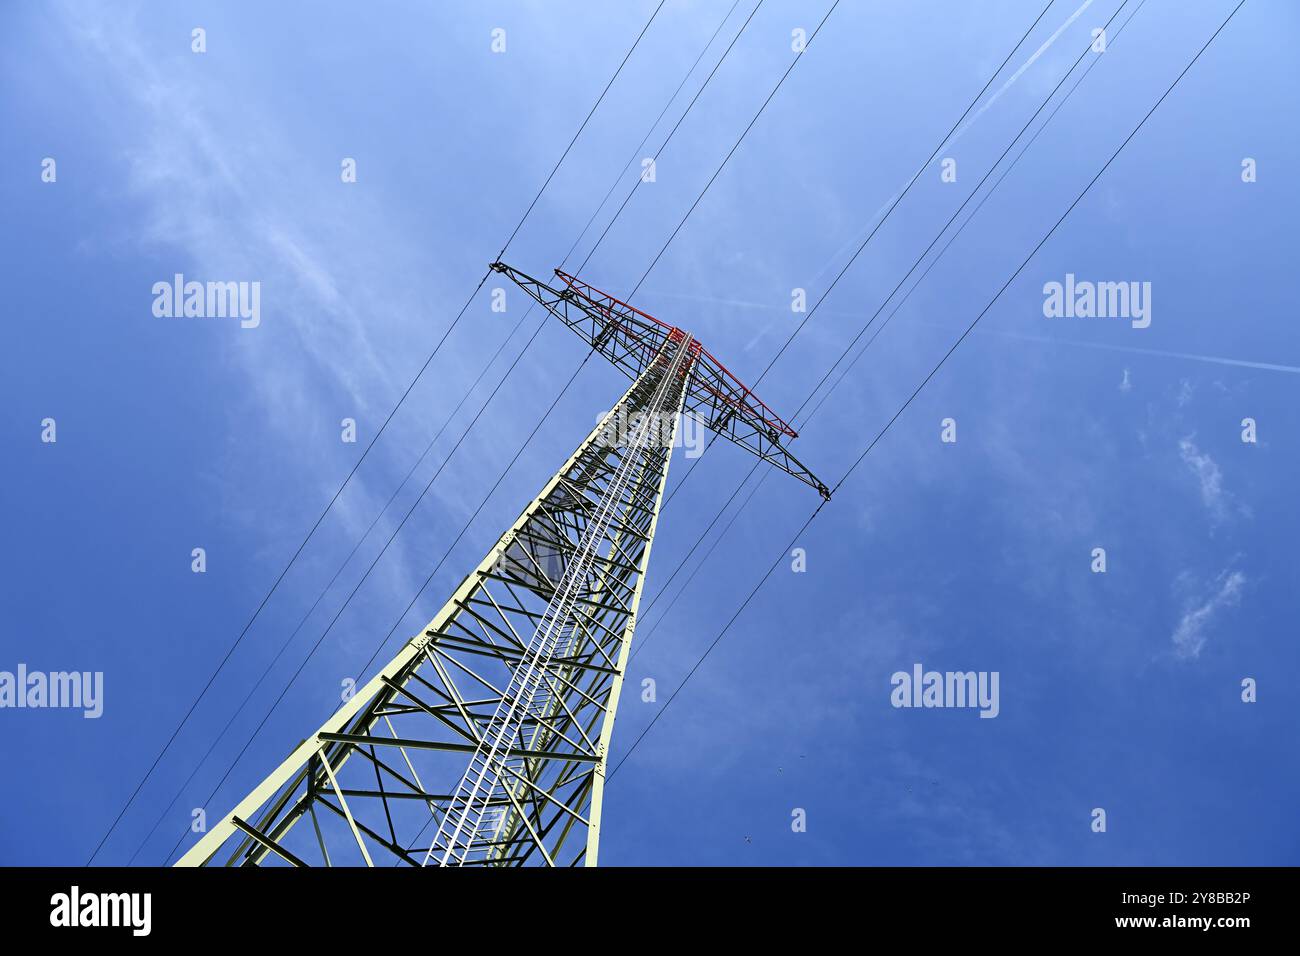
492 770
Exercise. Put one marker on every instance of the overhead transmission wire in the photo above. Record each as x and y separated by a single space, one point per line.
365 536
788 70
428 449
365 453
279 578
973 213
891 207
522 447
655 125
807 318
812 394
667 139
925 381
357 587
627 56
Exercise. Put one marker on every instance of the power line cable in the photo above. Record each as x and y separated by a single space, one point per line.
655 125
672 132
279 578
822 298
903 281
329 586
892 206
872 444
973 213
731 152
590 114
317 645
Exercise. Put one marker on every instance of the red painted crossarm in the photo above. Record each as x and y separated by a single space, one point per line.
746 399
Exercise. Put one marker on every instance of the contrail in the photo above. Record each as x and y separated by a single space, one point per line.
1042 339
1024 66
1161 353
970 122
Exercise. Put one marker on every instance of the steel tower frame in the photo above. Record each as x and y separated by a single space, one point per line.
513 687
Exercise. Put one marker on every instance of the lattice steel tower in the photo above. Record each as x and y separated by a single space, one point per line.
485 739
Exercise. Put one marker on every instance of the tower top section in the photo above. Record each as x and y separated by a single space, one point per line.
631 339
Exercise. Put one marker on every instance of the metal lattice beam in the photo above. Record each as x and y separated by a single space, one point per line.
630 338
556 599
485 740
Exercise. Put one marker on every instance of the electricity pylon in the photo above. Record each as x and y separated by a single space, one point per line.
485 740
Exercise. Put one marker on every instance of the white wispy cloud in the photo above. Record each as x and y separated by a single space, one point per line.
1208 474
197 198
1190 634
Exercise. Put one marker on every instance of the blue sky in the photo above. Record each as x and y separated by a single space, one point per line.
1118 690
